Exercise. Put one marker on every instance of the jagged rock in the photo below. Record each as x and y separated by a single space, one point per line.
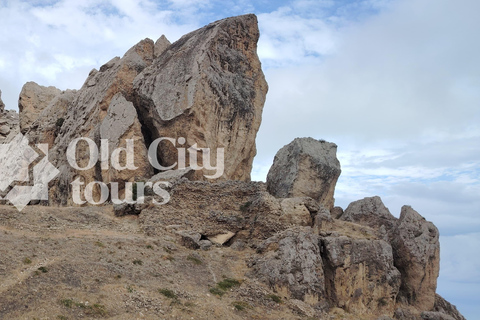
32 101
161 45
207 87
190 240
51 119
291 261
443 306
431 315
305 168
221 238
173 175
101 110
416 250
337 212
370 212
294 212
360 275
2 105
9 123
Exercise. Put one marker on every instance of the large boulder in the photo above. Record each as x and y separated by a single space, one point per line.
360 275
290 262
32 101
305 168
370 212
209 88
416 250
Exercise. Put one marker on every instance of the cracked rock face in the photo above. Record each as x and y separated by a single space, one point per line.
416 249
305 168
9 123
207 87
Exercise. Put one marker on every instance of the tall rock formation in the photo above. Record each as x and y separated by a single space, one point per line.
416 250
209 88
305 168
32 101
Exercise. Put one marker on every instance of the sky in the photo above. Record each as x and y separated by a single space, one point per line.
394 83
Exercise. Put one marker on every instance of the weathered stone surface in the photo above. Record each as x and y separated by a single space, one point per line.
359 275
221 238
416 250
101 110
161 45
291 261
32 101
305 168
443 306
207 87
370 212
9 123
173 175
295 212
431 315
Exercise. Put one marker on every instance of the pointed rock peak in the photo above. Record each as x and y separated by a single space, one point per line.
161 45
2 105
143 50
369 206
408 214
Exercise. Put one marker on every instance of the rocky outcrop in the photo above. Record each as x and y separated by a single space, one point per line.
305 168
370 212
443 306
207 87
207 90
416 249
9 121
290 262
360 275
32 101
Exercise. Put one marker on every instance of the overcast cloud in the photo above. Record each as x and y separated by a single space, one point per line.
394 83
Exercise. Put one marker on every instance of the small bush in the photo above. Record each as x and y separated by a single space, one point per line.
228 283
99 244
60 122
67 303
138 262
244 207
274 298
217 291
382 302
240 305
195 260
168 293
43 269
27 261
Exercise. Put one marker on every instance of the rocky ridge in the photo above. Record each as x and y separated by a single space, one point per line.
293 253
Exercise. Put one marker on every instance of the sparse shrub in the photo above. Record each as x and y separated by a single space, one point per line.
244 207
99 244
274 298
60 317
138 262
240 305
27 261
43 269
168 293
228 283
217 291
149 246
195 260
67 303
59 122
382 302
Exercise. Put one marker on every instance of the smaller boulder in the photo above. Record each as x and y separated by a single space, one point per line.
305 168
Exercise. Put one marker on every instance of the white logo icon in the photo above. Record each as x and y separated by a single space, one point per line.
15 160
